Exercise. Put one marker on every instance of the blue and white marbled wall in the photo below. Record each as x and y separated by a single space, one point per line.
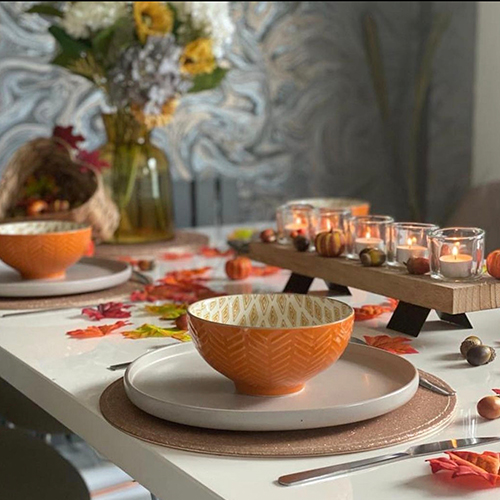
296 116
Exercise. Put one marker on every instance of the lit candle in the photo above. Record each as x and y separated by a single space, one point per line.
457 265
405 252
299 225
368 242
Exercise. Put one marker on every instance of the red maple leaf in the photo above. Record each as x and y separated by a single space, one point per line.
66 134
264 270
466 463
211 252
396 345
496 391
107 310
176 255
97 331
93 158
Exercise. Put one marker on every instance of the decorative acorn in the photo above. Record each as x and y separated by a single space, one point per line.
489 407
330 243
418 265
301 243
372 257
268 236
239 268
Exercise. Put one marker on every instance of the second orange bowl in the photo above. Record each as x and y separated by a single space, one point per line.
270 344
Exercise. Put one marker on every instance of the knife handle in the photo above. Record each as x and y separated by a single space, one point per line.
312 475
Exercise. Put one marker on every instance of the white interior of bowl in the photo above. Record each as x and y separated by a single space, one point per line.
277 310
329 202
40 227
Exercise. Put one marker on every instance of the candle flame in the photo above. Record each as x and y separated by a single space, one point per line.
368 235
454 251
410 241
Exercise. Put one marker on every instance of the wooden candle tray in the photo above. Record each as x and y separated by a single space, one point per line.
418 295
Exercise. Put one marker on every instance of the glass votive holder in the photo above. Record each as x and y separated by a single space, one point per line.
293 219
327 219
456 253
369 231
408 239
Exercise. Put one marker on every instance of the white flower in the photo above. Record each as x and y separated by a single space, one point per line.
212 19
83 18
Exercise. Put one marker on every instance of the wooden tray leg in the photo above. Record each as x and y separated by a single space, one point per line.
408 318
335 290
457 319
298 283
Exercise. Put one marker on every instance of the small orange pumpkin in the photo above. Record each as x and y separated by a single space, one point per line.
330 243
239 268
493 264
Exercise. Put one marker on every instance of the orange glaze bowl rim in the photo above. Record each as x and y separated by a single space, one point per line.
76 227
271 328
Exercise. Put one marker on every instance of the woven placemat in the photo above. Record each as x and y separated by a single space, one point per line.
117 293
426 413
184 241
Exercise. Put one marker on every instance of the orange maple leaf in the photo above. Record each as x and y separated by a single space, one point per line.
264 270
371 311
396 345
467 463
97 331
211 252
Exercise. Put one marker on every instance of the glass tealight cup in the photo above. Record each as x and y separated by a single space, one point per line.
456 253
327 219
369 231
408 239
294 219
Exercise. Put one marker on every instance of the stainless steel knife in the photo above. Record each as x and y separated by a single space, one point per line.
333 471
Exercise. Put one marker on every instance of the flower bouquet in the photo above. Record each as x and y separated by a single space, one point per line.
144 56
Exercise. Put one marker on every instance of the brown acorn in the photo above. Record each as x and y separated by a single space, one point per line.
301 243
146 265
489 407
372 257
480 355
418 265
268 236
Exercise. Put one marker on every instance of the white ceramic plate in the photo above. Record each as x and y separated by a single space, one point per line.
176 384
87 275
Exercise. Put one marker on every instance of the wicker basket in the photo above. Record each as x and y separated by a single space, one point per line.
95 206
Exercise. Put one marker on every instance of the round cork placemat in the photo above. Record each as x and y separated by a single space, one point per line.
184 241
425 414
117 293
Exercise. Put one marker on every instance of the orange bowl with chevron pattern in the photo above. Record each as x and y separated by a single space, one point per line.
270 344
43 249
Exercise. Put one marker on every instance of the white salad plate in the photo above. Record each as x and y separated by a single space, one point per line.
90 274
176 384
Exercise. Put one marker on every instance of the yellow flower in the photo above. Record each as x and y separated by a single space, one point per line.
153 121
198 57
152 18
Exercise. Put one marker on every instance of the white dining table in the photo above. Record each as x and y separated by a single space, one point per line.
66 377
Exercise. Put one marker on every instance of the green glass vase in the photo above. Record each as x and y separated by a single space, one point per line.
139 181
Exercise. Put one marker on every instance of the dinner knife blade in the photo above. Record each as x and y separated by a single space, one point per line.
313 475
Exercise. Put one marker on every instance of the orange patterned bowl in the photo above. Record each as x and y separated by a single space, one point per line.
357 207
270 344
43 249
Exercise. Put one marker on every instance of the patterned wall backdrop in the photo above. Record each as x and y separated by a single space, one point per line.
296 116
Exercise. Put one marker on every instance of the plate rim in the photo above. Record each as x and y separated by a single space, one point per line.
187 348
122 272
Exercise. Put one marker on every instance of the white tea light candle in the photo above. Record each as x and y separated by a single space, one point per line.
368 242
411 249
457 265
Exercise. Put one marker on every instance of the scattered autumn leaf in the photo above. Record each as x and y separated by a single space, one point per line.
184 275
97 331
66 134
176 255
107 310
148 330
211 252
264 270
371 311
167 311
466 463
396 345
496 391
